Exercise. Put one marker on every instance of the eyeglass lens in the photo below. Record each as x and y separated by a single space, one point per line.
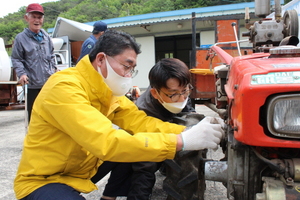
175 97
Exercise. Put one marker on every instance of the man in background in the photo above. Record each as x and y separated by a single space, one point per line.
32 55
99 28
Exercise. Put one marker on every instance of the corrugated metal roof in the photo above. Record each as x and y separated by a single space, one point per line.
177 15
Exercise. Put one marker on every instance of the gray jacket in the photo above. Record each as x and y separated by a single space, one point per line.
34 59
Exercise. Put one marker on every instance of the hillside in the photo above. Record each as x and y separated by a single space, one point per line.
93 10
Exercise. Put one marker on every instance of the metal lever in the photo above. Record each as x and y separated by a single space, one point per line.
236 38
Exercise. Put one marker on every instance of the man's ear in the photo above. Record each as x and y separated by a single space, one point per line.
26 18
100 62
154 93
100 59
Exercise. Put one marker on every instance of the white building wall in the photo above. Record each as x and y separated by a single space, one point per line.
208 38
145 61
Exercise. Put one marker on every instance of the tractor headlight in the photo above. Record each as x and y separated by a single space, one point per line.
284 116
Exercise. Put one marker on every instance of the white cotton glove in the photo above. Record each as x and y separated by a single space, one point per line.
206 134
218 120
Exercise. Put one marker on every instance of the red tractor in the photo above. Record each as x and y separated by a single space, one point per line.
258 96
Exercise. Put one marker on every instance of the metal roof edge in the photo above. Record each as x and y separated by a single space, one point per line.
184 12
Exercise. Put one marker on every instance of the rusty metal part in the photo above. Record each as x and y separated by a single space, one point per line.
8 96
272 190
290 40
216 171
296 162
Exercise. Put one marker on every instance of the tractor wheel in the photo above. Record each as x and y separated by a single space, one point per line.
182 177
181 182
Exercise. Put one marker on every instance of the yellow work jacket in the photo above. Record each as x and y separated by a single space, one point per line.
71 132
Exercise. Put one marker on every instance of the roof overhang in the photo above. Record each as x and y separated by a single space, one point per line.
179 15
76 31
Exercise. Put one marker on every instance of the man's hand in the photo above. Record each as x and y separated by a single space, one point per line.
23 80
56 69
206 134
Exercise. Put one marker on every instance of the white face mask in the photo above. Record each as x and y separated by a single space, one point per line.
175 107
119 85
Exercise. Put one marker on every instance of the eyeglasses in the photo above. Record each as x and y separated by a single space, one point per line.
175 97
129 70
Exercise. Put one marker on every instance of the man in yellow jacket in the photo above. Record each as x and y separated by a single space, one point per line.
71 132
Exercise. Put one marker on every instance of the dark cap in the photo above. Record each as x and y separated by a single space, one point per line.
100 26
35 7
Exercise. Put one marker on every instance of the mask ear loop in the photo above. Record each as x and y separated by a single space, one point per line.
99 68
160 98
106 61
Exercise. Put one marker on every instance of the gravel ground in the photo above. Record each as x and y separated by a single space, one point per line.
12 132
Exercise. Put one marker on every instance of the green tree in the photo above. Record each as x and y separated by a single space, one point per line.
183 4
94 10
157 6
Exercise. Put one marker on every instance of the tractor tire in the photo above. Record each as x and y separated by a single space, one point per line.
182 177
182 182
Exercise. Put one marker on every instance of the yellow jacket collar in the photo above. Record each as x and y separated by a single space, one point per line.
95 81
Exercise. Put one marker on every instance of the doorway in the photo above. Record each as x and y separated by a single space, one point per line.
177 46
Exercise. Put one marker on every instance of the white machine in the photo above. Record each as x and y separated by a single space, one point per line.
5 63
62 52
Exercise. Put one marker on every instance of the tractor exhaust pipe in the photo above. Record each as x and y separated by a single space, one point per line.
262 8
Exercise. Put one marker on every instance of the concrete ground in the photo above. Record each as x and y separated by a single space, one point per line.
12 132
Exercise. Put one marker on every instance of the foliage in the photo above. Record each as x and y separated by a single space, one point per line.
93 10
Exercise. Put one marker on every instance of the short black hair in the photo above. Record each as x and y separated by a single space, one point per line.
168 68
113 43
